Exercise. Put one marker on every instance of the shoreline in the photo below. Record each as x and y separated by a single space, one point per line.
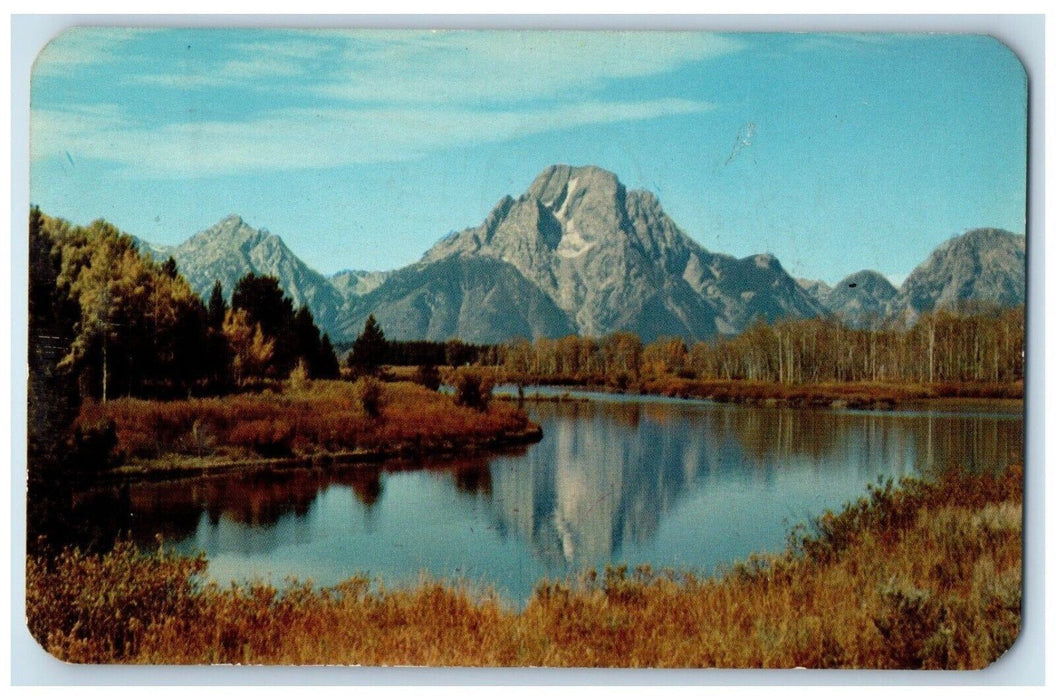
850 395
890 551
183 467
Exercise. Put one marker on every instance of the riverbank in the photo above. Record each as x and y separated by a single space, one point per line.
865 395
923 575
871 395
315 425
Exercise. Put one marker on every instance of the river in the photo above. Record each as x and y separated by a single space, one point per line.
626 480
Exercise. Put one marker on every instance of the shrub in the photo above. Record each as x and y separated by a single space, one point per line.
100 608
93 447
299 376
428 376
472 390
268 438
368 394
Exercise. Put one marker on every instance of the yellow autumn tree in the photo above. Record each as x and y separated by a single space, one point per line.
251 349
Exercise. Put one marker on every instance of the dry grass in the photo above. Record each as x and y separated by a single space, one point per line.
849 394
319 418
926 575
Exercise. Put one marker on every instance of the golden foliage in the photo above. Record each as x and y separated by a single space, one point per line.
319 417
927 575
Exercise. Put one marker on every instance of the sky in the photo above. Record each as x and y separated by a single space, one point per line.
834 152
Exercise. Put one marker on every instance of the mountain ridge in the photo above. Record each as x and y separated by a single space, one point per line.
578 252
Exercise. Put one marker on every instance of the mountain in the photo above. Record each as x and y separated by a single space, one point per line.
861 299
229 249
477 300
982 265
579 253
356 283
817 290
611 259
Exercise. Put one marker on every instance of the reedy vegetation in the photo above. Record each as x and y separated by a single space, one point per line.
925 575
306 418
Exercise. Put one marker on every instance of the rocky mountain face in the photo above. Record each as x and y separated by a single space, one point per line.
356 283
478 300
817 290
231 248
579 253
863 299
611 259
982 265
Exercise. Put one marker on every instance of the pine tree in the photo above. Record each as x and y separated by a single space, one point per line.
217 307
169 268
327 367
306 340
369 349
265 304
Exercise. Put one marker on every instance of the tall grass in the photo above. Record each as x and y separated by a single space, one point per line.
850 394
923 575
318 417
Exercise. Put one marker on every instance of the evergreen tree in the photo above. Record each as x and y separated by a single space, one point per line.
217 306
265 304
56 461
306 340
327 366
169 268
369 349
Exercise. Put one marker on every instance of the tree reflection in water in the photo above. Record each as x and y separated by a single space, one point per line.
605 479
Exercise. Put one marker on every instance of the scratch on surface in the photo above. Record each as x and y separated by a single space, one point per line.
743 140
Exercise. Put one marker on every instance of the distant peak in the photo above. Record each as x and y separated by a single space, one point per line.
232 219
552 183
986 235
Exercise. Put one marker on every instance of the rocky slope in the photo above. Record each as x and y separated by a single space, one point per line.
229 249
611 259
476 300
356 283
861 299
579 253
982 265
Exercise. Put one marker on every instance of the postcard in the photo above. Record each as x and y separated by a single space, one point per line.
524 348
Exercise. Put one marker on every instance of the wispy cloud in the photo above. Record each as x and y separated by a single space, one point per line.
311 138
853 42
83 46
445 67
328 98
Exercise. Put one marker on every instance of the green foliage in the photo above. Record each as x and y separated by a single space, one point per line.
327 366
265 305
292 336
217 307
369 349
140 330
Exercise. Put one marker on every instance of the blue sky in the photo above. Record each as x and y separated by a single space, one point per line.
361 149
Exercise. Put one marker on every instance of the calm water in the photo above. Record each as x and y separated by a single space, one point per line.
670 483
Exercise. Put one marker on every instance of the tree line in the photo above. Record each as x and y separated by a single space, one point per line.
122 324
971 343
371 350
105 321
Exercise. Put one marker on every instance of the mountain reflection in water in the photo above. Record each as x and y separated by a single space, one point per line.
666 483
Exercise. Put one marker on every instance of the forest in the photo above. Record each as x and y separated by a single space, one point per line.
968 344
